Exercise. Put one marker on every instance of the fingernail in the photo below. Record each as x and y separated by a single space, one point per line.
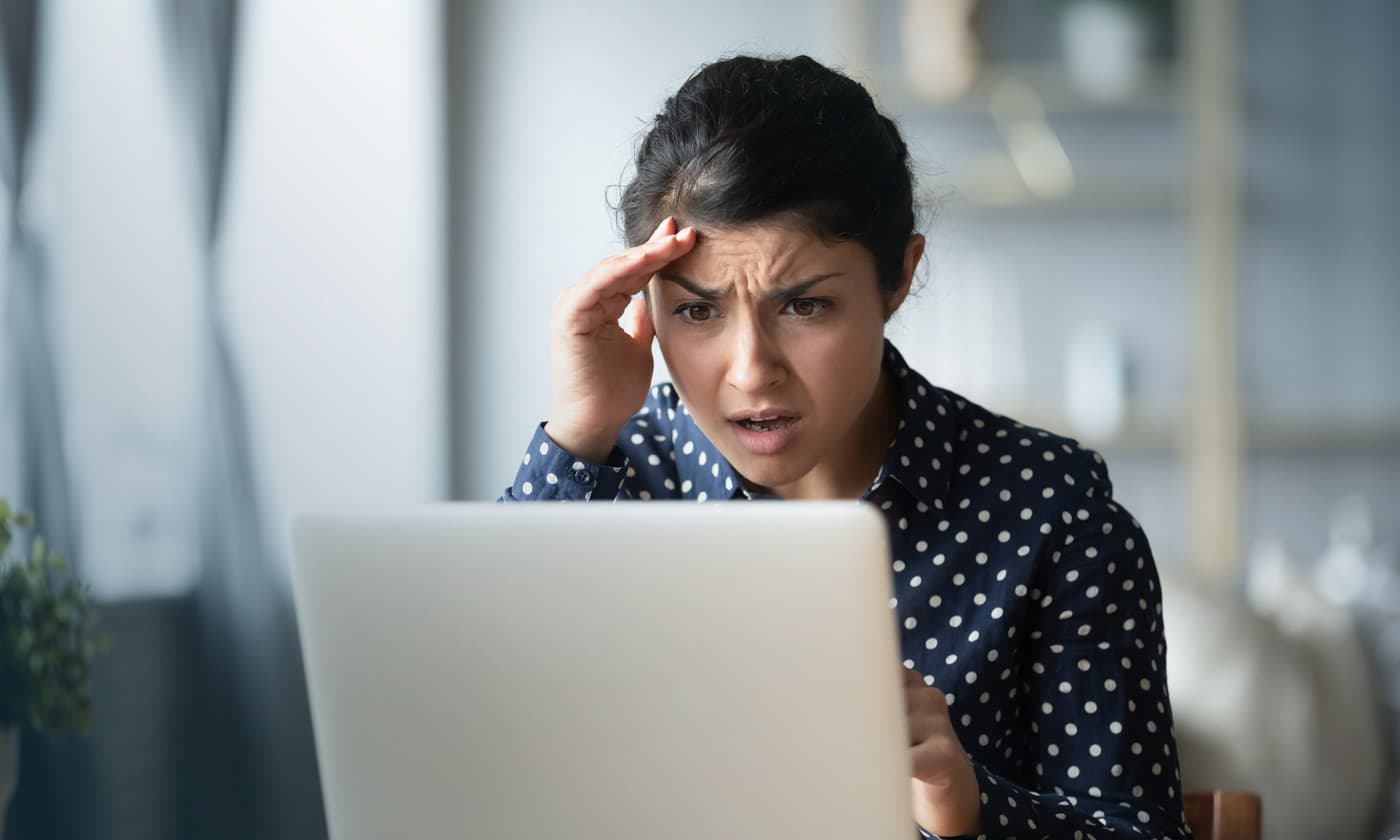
663 224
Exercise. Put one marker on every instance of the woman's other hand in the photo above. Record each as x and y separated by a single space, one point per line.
600 344
946 797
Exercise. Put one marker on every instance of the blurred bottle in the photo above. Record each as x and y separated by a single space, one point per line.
941 51
1106 46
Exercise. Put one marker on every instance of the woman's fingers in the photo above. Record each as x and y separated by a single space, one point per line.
628 272
666 228
927 708
637 322
603 294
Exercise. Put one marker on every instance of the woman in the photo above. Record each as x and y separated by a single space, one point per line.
772 231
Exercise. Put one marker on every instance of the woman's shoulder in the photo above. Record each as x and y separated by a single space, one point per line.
990 441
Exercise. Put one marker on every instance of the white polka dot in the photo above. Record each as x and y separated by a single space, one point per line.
527 488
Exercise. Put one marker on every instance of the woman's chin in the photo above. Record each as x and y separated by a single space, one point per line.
768 473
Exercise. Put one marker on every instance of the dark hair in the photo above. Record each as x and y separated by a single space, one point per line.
751 139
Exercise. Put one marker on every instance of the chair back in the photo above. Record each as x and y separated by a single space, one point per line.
1222 814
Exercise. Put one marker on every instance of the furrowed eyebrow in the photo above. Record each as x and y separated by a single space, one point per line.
785 293
694 288
800 288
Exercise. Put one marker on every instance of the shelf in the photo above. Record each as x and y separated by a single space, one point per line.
1276 436
993 187
1147 433
1159 93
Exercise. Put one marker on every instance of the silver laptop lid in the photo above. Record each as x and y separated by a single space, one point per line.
605 671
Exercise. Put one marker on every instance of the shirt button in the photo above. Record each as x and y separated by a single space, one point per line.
582 476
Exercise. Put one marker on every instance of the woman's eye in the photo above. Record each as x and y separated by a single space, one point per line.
806 307
695 312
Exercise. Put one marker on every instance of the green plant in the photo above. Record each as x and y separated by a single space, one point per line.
48 636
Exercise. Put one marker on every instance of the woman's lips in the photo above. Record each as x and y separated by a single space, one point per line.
774 439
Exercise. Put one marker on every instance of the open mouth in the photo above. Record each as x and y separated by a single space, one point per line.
767 430
766 424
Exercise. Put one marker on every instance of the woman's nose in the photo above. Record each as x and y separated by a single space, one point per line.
755 364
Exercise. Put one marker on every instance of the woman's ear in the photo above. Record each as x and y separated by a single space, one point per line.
913 252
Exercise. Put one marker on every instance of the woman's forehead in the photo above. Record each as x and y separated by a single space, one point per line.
764 253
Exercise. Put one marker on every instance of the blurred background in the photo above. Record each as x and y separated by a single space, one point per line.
265 257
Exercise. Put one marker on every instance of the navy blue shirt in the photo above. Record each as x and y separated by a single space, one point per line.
1024 593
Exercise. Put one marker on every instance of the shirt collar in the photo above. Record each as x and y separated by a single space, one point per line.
920 458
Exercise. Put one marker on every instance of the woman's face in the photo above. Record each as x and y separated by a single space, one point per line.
774 338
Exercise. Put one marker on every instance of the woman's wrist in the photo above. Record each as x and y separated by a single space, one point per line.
593 446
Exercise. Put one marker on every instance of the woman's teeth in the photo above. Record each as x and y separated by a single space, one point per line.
766 424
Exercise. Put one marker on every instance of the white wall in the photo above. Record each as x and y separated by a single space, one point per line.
557 93
335 238
332 243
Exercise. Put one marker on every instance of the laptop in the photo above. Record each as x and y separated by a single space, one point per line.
664 670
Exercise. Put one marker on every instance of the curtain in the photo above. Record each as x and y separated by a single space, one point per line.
27 345
257 771
43 473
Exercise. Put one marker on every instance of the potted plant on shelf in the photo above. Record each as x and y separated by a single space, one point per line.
48 638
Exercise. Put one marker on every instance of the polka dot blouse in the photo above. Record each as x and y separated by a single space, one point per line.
1024 592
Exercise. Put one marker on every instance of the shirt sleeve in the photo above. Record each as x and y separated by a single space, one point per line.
641 466
1094 689
548 472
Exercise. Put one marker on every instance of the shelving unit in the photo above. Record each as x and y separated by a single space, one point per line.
1195 98
1163 165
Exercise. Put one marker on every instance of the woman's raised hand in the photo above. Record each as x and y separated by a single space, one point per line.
600 344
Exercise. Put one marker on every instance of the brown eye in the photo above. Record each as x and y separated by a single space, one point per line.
695 312
806 307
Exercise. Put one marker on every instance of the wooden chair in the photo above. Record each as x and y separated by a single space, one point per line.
1222 814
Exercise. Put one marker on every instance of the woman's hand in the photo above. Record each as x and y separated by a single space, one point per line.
947 800
600 345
